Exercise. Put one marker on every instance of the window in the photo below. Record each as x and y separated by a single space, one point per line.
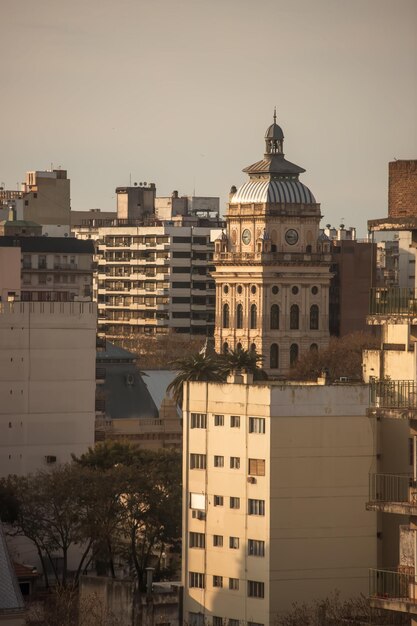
257 425
218 501
218 541
234 584
197 461
256 467
233 622
234 503
256 589
198 501
234 543
42 279
294 317
293 354
256 507
235 421
255 623
197 540
274 357
217 581
219 420
256 547
226 316
253 317
234 462
274 320
218 461
42 262
314 347
225 347
196 579
275 290
314 290
198 420
239 316
314 317
217 621
195 619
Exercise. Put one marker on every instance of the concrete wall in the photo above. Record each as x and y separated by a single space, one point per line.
47 198
9 272
47 383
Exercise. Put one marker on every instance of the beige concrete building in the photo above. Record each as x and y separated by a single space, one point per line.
392 373
53 268
275 484
272 266
47 383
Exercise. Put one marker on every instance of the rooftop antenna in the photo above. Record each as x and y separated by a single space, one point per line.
130 179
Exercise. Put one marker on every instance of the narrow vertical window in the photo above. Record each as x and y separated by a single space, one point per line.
239 316
274 357
274 322
226 316
314 317
294 317
293 354
253 317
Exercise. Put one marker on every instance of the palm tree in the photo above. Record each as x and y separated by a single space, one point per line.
244 360
198 367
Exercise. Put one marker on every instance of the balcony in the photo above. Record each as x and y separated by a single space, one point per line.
392 493
393 590
271 258
393 301
395 399
100 374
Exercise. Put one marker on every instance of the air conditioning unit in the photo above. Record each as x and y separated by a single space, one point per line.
251 479
50 458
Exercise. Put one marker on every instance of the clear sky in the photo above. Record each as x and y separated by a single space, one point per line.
180 92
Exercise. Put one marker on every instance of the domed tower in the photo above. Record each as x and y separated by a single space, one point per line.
272 269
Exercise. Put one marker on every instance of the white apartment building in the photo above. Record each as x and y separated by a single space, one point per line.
275 484
47 383
155 278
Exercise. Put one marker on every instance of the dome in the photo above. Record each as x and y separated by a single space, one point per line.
274 192
274 132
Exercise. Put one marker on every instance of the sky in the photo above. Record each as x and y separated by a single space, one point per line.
180 93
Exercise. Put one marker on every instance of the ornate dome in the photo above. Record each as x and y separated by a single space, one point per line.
274 132
278 191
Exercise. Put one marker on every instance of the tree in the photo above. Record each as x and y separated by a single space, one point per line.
247 360
195 367
343 357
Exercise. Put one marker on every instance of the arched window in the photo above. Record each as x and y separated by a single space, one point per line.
294 317
308 249
314 317
274 357
226 316
225 347
239 347
314 347
253 316
239 316
274 317
293 354
253 347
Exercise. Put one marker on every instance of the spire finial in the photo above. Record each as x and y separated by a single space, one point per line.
275 115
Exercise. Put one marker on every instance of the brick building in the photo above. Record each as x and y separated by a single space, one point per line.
402 188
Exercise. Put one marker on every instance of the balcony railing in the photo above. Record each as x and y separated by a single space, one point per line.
393 394
393 301
392 488
392 584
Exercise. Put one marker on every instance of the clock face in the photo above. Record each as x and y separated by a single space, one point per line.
246 236
291 237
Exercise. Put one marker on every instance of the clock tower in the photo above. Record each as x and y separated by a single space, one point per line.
272 266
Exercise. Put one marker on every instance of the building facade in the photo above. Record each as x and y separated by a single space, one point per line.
275 484
392 373
272 266
53 268
47 383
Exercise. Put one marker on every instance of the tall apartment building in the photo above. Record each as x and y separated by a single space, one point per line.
47 383
154 263
275 484
392 373
43 198
53 268
272 265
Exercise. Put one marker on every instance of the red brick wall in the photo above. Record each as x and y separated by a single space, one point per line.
402 188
